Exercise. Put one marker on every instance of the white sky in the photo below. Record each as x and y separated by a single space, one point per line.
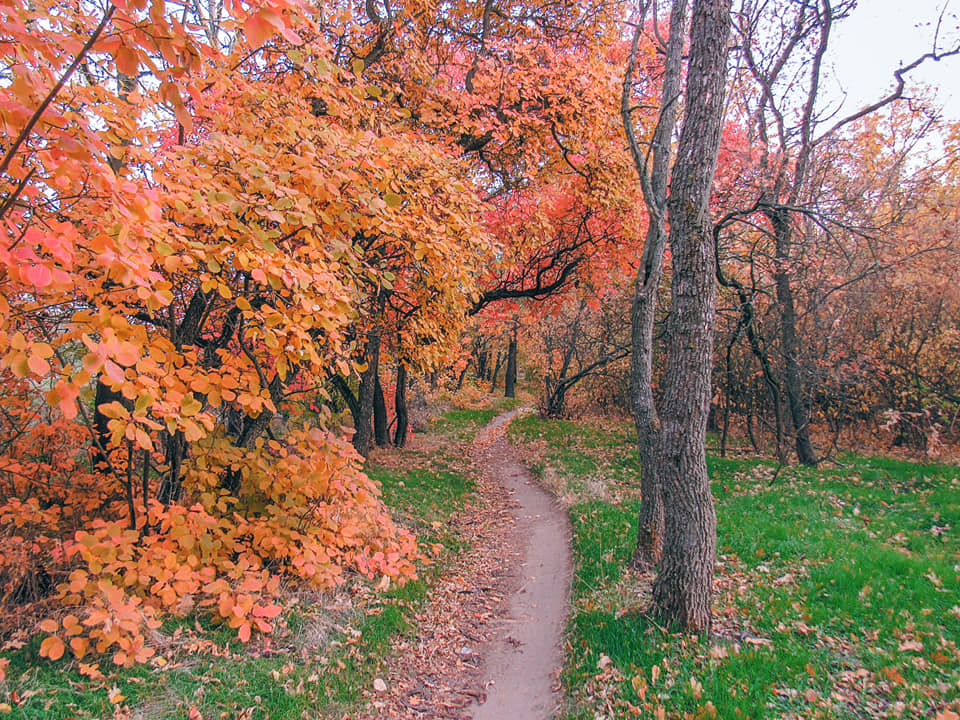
882 35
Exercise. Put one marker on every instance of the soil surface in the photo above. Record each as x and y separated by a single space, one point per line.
489 644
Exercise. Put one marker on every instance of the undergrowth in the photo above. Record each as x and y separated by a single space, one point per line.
325 651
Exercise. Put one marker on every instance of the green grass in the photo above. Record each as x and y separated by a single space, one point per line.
463 424
846 580
320 659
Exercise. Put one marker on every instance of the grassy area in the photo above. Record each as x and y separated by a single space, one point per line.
837 588
328 648
463 423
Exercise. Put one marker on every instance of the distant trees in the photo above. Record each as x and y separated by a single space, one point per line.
815 208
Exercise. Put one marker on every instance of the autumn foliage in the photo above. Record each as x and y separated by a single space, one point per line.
196 216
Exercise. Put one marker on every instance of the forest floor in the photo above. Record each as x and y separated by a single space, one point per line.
837 598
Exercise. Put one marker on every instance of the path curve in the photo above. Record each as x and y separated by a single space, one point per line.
523 660
489 643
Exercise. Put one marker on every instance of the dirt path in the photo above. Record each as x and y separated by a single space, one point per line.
523 659
489 643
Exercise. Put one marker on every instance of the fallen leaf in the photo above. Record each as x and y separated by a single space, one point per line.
892 674
380 685
908 645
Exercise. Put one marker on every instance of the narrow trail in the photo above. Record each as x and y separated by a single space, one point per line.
489 642
522 661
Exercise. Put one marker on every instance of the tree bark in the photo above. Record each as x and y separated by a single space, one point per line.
510 380
643 310
683 589
496 371
381 433
362 425
104 395
400 407
797 402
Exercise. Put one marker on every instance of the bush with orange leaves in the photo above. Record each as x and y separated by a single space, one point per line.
303 510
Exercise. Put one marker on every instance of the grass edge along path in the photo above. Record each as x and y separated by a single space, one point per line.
837 588
321 659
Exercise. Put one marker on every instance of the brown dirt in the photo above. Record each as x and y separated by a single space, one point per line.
489 643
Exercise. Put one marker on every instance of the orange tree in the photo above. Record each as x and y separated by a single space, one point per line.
187 250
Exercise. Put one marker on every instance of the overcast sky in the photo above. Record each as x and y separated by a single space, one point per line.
882 35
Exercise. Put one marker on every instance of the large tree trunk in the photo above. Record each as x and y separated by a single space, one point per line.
683 589
381 432
362 425
400 407
510 381
649 546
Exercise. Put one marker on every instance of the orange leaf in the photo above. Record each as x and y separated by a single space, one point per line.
39 275
257 30
128 60
893 675
52 648
267 611
79 645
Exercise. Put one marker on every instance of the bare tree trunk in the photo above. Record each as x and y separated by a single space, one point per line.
797 403
496 371
381 433
510 381
683 589
400 407
363 435
482 362
647 285
463 374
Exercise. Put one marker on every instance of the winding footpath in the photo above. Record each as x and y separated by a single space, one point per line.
489 644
